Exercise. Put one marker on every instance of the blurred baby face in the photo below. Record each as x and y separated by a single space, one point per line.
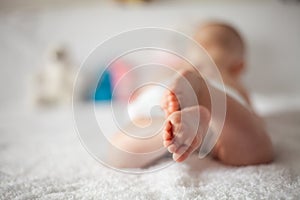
222 44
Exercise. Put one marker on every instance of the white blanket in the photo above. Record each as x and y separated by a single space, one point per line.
41 157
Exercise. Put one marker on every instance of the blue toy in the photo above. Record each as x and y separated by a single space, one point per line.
104 88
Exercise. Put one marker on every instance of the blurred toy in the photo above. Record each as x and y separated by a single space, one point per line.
122 80
54 83
115 83
104 89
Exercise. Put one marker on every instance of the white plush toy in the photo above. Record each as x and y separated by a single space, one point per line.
54 83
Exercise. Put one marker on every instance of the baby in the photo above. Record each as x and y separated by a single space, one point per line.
243 140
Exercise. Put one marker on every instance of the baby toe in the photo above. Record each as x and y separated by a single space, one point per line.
171 109
167 143
168 126
182 153
167 135
171 96
175 118
172 148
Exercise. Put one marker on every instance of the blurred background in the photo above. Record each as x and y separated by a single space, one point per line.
43 43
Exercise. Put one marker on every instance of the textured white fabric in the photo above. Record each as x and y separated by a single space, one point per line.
41 157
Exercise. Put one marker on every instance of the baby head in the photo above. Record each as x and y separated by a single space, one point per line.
225 45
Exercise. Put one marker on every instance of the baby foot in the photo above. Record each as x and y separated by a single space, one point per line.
184 131
170 103
184 91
